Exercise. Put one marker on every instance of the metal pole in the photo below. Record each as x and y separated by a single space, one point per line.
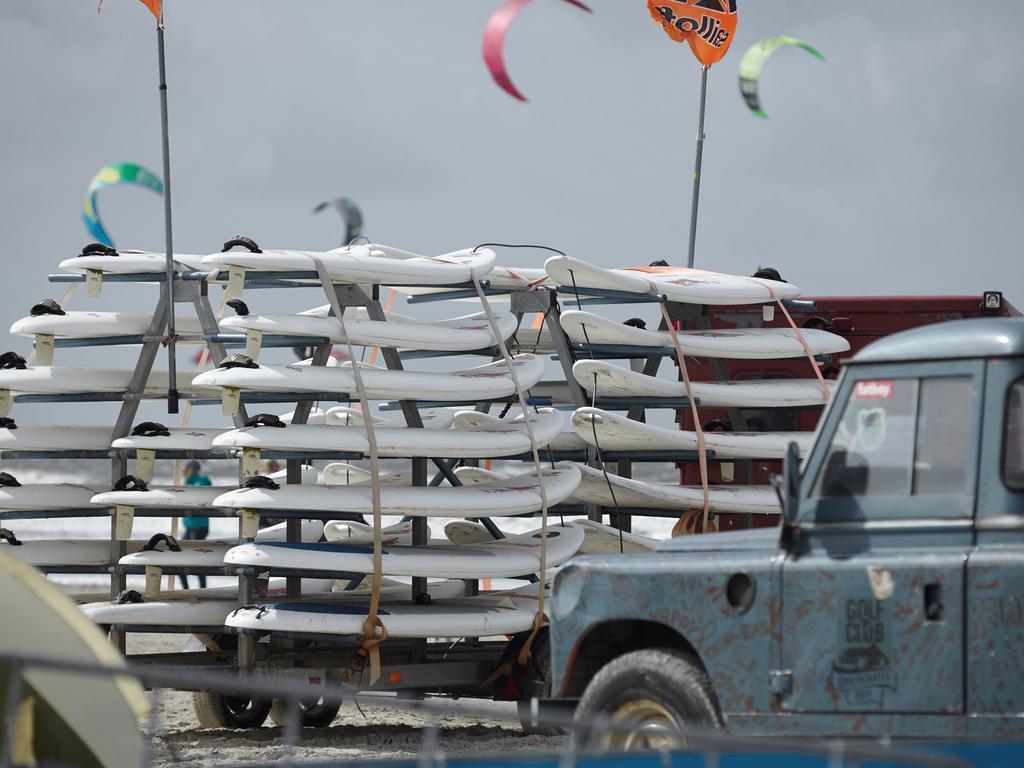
697 166
172 381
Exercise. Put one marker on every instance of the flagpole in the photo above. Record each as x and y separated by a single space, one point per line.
172 384
697 166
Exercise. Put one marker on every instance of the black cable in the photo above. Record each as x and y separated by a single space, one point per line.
540 331
604 469
576 290
520 245
579 304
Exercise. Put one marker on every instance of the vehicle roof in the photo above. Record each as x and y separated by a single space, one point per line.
958 339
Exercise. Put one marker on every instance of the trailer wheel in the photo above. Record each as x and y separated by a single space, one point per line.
648 700
318 714
218 710
534 682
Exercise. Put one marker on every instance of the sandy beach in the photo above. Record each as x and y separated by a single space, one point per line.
357 733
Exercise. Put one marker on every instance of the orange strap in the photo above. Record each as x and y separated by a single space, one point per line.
803 342
369 646
538 618
702 457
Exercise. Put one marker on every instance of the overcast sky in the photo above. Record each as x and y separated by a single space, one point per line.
892 167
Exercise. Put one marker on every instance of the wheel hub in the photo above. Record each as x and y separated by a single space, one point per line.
643 724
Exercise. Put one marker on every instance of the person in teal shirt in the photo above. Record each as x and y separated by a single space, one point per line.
196 528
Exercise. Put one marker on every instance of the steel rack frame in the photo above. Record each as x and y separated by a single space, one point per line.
188 289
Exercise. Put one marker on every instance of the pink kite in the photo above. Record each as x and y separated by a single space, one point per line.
494 42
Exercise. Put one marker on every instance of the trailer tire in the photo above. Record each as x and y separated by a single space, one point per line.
218 710
647 699
316 715
534 682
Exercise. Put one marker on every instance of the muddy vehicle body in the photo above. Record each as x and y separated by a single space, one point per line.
889 601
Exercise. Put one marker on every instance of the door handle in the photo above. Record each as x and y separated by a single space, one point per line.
934 609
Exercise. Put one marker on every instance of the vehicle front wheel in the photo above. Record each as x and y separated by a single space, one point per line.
218 710
645 700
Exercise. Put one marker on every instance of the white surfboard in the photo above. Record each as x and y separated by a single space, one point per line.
593 489
466 333
512 496
70 380
478 476
51 553
566 440
180 439
361 535
55 438
360 264
483 382
494 613
76 324
503 438
740 343
53 496
169 496
230 591
693 286
615 381
190 608
316 416
173 609
392 588
87 719
466 532
210 553
612 432
500 278
432 418
132 262
341 473
501 558
601 539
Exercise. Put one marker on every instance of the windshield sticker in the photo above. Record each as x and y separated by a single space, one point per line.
871 429
872 390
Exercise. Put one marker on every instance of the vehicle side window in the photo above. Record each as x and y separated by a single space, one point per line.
901 437
872 450
943 434
1013 439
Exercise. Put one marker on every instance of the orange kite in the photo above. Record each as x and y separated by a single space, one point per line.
154 6
707 25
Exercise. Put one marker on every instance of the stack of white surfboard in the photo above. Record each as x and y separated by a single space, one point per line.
340 553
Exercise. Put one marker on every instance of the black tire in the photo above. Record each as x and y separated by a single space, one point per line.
318 714
218 710
647 700
533 681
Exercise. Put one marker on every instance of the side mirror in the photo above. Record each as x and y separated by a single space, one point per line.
787 485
